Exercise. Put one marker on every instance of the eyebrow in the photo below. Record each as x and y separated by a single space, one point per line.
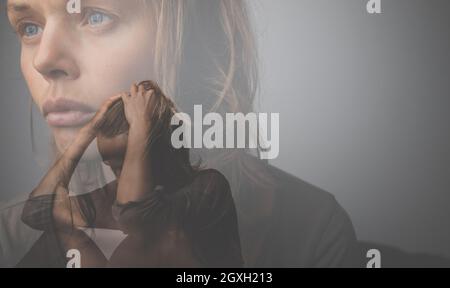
18 7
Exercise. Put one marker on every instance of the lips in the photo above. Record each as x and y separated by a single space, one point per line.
67 113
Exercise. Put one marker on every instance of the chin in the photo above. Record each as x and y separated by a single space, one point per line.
65 137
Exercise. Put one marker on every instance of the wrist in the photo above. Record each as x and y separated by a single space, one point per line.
140 129
138 137
83 139
88 132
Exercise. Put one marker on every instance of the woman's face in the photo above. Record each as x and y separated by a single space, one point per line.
73 62
112 151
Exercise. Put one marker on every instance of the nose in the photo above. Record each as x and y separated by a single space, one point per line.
55 57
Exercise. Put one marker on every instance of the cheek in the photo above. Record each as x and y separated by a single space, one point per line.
37 85
116 62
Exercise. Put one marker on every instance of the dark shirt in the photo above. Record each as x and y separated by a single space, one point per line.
202 212
193 226
306 226
290 224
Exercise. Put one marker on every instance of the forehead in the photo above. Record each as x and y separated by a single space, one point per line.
23 5
53 6
42 7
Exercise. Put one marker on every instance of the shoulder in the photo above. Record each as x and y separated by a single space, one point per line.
317 221
307 201
209 197
16 238
210 177
293 191
210 183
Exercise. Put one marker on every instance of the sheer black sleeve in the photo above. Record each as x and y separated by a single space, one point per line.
38 212
204 210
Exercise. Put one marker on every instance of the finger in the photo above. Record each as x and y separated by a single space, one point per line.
141 90
150 93
125 97
114 99
133 90
109 103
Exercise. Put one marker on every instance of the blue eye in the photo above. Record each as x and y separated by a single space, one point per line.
98 18
30 30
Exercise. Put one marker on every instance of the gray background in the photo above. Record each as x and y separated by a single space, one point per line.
363 101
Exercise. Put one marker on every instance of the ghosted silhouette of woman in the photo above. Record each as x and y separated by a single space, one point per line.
175 214
201 52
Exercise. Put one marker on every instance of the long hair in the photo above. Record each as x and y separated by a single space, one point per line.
206 54
171 167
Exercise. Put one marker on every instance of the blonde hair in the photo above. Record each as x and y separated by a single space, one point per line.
205 53
234 81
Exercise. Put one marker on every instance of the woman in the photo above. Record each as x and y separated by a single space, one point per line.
174 214
201 52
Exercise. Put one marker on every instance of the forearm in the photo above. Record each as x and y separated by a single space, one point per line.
49 205
52 212
62 170
136 179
